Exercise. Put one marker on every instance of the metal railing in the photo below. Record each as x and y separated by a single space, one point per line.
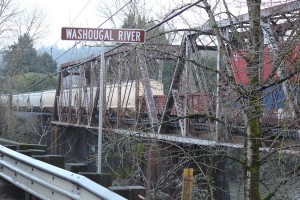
46 181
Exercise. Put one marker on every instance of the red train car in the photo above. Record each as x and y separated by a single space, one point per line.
274 99
197 103
239 64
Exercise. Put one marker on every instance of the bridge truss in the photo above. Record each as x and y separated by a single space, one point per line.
137 99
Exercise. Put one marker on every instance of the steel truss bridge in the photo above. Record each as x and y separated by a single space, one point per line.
132 100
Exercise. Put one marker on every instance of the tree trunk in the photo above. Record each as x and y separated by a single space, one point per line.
254 106
252 164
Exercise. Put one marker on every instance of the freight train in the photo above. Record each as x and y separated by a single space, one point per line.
44 101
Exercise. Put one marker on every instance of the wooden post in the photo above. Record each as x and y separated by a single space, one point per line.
54 117
187 184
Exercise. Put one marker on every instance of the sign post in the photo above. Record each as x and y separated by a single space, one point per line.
98 34
101 99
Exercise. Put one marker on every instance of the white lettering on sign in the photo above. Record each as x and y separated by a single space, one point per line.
98 34
85 34
129 36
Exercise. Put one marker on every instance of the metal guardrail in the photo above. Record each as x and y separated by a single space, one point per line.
46 181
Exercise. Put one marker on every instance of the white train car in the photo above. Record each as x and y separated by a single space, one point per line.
35 101
127 96
128 92
44 101
67 97
15 102
4 100
16 99
47 100
23 100
86 98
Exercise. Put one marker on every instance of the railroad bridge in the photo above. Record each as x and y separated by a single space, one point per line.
186 110
135 97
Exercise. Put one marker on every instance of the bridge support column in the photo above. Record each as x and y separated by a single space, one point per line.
54 137
220 178
165 164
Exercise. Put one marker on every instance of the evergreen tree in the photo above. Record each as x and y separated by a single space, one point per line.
22 57
28 80
45 63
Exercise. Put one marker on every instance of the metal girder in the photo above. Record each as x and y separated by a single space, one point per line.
179 111
244 18
203 142
92 84
174 85
57 93
137 91
46 181
70 97
119 97
147 91
96 99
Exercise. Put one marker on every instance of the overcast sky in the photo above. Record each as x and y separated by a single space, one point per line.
62 13
85 13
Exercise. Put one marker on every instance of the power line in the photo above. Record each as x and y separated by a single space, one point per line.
80 12
94 58
53 74
149 29
84 7
98 26
115 13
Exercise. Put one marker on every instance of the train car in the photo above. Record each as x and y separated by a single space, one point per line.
47 100
274 99
67 97
34 101
23 100
239 64
86 98
128 92
198 103
4 100
44 101
15 102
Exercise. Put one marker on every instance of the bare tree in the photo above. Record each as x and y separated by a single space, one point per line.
32 22
8 12
248 37
251 43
